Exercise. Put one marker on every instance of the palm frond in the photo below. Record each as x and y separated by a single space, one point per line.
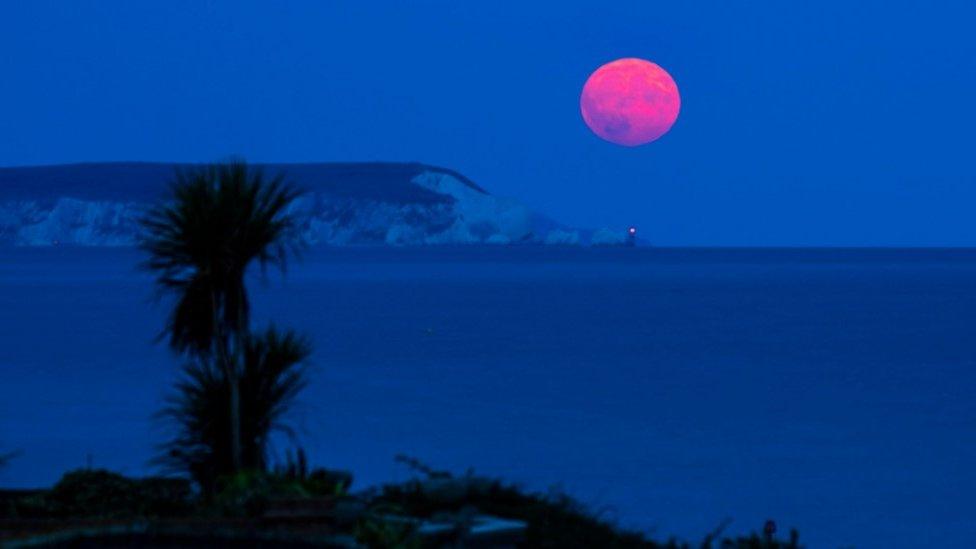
272 376
221 219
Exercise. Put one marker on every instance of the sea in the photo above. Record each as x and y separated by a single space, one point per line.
668 389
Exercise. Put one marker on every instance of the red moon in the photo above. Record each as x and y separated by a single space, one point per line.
630 102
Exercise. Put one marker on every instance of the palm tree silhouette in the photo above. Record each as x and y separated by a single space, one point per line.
271 377
223 218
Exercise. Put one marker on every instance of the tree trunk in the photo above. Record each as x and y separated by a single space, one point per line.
230 374
239 334
235 423
231 371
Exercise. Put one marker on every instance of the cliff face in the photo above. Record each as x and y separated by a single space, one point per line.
355 203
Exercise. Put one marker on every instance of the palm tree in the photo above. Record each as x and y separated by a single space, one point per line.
271 378
222 219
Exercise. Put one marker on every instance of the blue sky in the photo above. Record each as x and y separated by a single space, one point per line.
826 123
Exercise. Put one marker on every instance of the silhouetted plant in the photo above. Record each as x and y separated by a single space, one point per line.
552 519
755 541
222 219
295 465
272 375
317 481
324 482
375 530
97 493
248 492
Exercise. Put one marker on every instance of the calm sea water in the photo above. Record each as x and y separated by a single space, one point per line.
830 390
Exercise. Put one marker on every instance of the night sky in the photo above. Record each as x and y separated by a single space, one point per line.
822 123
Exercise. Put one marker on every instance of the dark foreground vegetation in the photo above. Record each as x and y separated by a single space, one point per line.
291 506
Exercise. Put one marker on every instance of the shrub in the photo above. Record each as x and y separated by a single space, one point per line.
318 481
164 496
99 493
327 482
247 493
552 520
96 493
376 531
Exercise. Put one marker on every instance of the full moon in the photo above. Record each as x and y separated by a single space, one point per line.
630 102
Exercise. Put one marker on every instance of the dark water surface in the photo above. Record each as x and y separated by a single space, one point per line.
831 390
